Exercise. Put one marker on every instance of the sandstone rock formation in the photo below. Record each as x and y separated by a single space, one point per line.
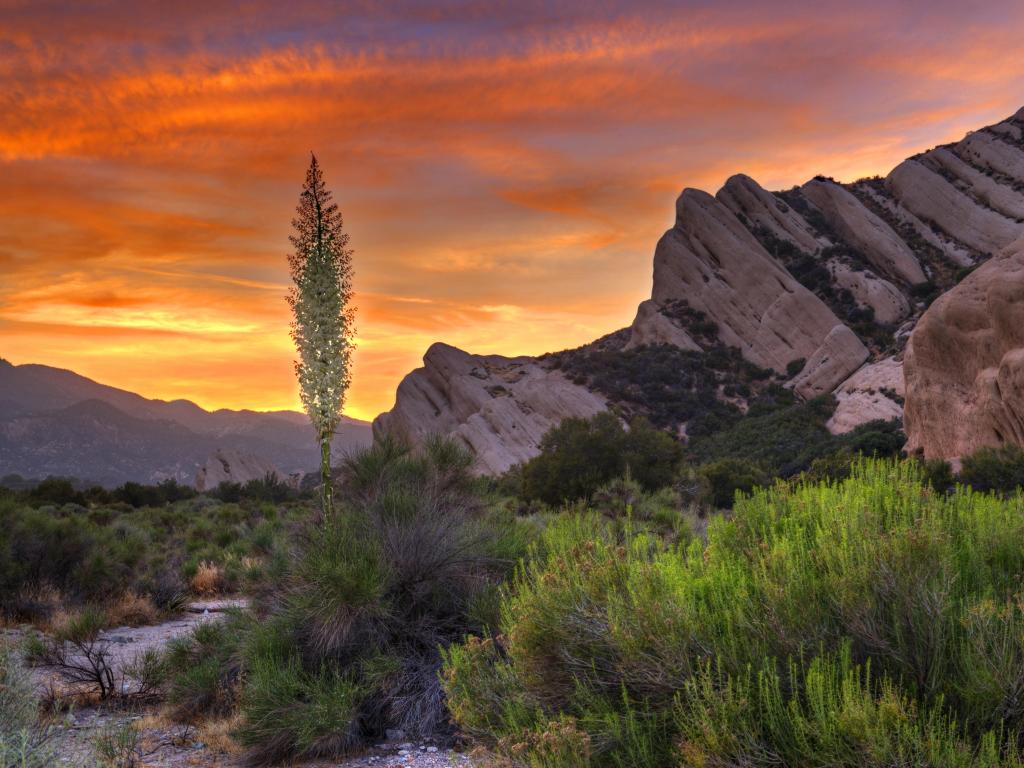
964 364
876 391
714 264
227 466
498 406
886 301
864 230
786 277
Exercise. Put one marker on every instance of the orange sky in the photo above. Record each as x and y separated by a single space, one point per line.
504 169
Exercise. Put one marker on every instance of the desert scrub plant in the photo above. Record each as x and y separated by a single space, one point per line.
877 571
828 711
204 669
347 644
118 744
24 741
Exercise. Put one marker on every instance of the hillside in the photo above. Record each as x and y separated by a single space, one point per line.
56 422
815 290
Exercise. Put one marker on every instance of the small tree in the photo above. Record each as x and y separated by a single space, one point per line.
323 325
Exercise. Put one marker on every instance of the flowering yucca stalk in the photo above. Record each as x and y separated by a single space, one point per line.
323 325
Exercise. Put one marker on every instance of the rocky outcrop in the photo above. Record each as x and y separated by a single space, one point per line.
930 196
874 392
713 263
785 277
886 301
500 407
864 231
760 208
964 364
652 326
227 466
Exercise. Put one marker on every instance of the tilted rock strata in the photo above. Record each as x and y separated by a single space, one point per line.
746 259
714 264
864 230
500 407
964 364
885 299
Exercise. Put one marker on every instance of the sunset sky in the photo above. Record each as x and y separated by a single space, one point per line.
504 169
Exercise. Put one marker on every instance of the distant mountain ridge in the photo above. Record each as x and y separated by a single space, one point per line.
56 422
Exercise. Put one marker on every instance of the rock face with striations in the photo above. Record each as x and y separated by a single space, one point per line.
964 364
498 406
821 283
713 263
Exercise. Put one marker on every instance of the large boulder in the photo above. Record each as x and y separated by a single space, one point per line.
964 364
500 407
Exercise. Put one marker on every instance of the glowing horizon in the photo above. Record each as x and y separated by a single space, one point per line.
504 175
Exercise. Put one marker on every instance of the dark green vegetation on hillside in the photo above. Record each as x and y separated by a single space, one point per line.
705 390
580 455
871 622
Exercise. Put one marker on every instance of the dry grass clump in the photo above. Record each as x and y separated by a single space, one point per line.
208 580
217 734
132 610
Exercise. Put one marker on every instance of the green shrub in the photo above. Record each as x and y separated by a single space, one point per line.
755 648
24 742
349 643
786 442
994 469
580 455
722 479
205 670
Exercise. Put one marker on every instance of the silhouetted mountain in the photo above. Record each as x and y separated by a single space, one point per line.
56 422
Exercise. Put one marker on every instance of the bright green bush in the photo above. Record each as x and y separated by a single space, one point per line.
755 647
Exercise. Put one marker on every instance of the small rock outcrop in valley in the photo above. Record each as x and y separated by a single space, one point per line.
821 285
964 364
499 406
226 466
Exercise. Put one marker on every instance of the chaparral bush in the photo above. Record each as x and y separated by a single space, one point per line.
868 621
580 455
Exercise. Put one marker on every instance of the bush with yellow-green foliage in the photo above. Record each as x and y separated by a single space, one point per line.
867 622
